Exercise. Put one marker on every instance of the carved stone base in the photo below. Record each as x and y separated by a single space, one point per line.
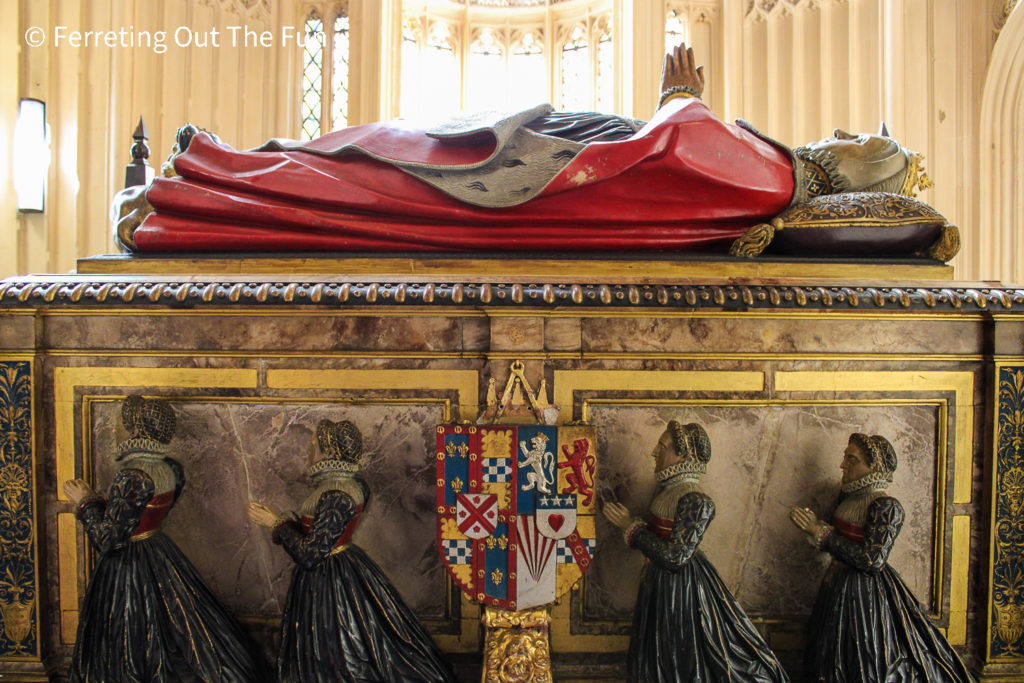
25 672
516 647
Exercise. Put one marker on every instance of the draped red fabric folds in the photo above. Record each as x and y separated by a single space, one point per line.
686 181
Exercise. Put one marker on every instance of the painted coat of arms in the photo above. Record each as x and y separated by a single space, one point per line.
515 510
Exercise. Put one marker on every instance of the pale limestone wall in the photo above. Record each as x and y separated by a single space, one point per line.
95 95
799 68
795 70
1002 163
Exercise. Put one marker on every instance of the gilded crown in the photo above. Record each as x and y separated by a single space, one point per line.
916 177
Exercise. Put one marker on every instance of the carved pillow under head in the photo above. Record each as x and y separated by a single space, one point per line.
855 225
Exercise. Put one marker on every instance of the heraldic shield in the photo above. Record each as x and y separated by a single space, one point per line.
515 510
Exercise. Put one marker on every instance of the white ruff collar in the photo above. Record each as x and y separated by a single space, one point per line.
689 470
875 481
333 467
140 446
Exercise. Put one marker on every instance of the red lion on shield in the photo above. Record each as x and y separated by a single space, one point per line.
582 463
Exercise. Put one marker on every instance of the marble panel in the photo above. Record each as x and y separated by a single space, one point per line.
563 334
1009 338
17 331
476 334
517 334
254 332
778 335
764 460
234 452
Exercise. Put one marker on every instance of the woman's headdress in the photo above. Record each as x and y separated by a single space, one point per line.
691 443
341 445
150 424
879 452
881 459
823 176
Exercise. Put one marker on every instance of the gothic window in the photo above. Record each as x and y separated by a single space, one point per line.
575 93
488 75
412 36
325 53
605 80
312 76
675 29
339 80
431 73
527 70
441 73
483 59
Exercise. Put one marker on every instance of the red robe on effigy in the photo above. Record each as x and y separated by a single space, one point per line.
685 181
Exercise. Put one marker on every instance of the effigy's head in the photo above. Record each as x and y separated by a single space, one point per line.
878 452
866 163
682 450
868 460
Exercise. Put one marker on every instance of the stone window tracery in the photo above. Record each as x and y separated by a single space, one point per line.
506 58
574 69
325 74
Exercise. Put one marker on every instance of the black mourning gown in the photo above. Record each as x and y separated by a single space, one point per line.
866 626
147 615
343 620
585 126
687 626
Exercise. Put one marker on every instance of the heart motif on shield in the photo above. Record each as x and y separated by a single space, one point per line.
555 519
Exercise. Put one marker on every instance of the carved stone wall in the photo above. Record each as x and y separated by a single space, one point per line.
1002 165
797 69
794 68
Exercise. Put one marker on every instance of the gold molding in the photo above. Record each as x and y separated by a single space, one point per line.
464 382
67 379
522 311
426 268
67 573
958 580
521 355
568 381
272 312
961 383
942 456
267 354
